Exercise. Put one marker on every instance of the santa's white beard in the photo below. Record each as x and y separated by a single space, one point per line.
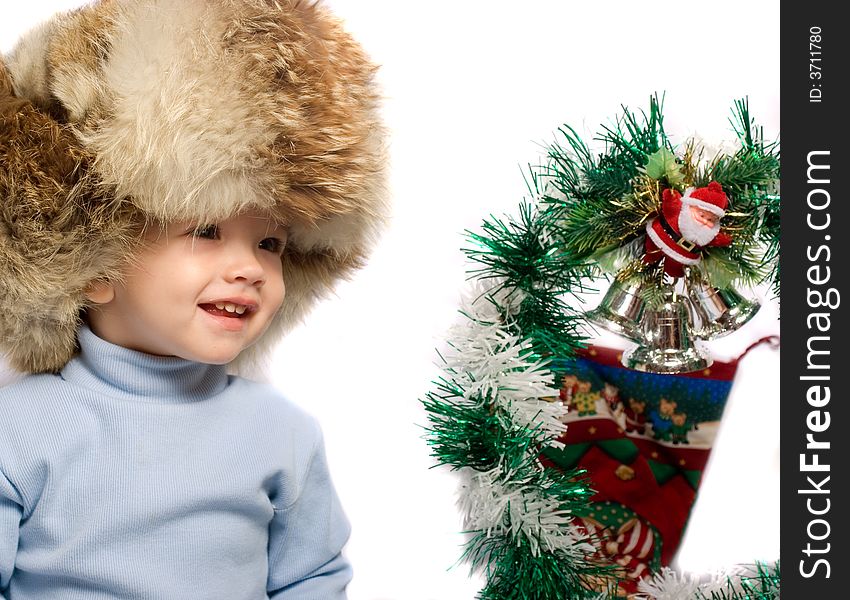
694 231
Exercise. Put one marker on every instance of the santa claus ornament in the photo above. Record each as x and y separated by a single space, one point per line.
686 226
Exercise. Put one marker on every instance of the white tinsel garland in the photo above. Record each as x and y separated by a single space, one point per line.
488 361
668 584
486 498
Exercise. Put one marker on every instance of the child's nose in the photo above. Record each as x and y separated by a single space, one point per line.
244 265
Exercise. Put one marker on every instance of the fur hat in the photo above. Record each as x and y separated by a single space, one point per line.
127 110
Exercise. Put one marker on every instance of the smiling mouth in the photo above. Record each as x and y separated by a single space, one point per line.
227 309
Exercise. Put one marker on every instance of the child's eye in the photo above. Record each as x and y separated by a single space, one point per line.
206 231
273 244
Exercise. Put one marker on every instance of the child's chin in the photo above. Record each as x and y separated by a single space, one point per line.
218 360
216 352
212 358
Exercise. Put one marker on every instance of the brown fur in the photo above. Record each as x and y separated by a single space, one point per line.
230 104
59 229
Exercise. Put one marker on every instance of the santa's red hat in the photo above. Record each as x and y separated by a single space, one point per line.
711 198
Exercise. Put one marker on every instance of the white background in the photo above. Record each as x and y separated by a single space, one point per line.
473 89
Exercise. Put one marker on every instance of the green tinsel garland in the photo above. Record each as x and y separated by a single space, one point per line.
587 214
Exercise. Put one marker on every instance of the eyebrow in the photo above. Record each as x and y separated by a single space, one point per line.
276 226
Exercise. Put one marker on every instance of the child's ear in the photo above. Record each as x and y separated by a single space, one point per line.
99 291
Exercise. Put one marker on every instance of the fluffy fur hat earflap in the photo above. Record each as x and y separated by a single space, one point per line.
194 110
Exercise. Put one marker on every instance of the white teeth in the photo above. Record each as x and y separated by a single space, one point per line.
230 307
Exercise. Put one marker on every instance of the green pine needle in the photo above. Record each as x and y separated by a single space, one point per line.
515 572
632 140
524 254
466 434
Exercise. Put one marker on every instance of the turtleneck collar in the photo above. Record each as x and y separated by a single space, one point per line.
123 373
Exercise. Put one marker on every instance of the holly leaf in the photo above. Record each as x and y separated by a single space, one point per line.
613 259
719 269
662 165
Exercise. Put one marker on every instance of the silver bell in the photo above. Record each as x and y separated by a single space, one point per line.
621 310
668 345
721 311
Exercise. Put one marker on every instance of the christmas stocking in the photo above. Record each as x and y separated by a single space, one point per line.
644 440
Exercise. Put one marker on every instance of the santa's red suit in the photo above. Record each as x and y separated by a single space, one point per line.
679 234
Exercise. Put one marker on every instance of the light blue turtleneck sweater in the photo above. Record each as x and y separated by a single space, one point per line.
131 476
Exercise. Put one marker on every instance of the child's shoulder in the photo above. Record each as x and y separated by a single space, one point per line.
28 392
274 405
28 419
29 402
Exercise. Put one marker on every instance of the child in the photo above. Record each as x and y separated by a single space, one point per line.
179 182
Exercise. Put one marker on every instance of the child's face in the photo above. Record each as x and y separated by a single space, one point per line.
166 304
